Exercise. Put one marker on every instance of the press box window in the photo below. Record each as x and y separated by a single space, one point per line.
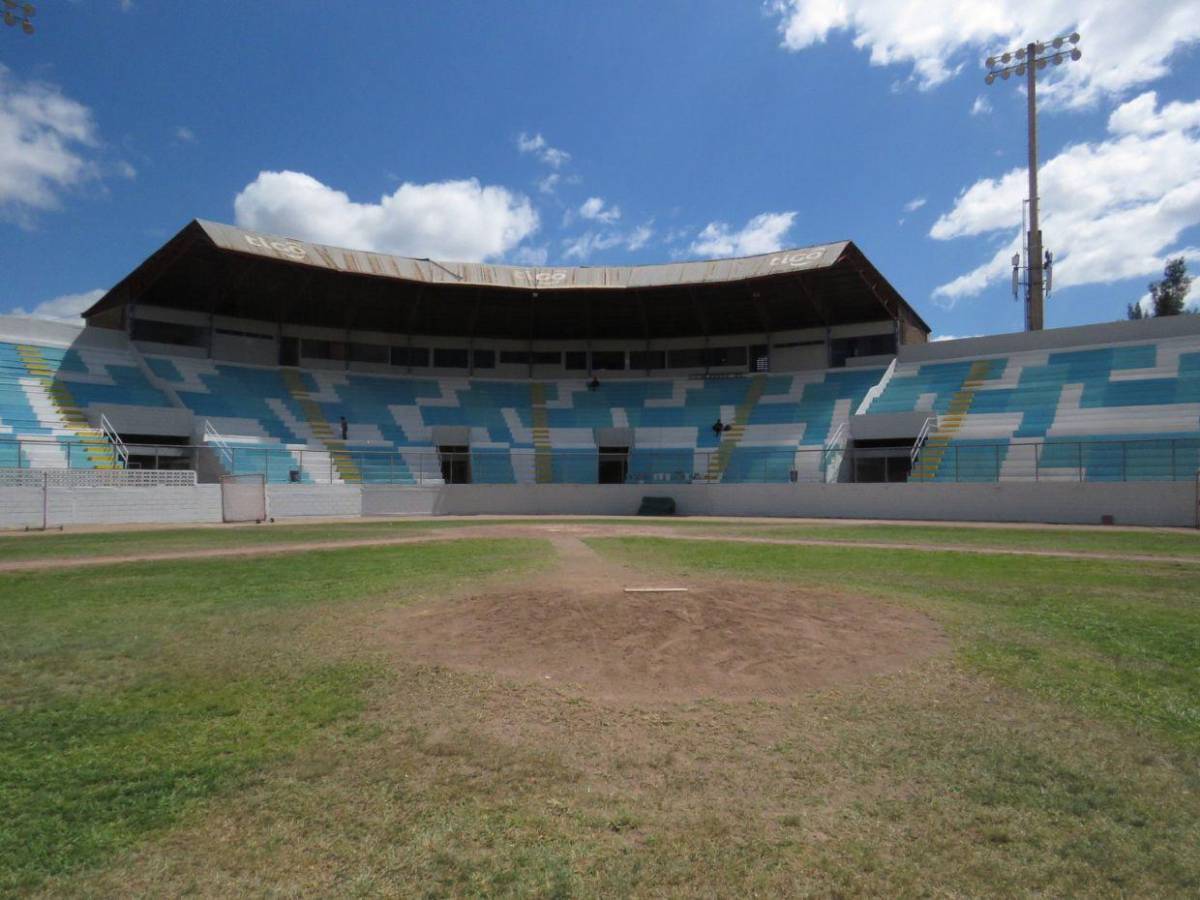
647 359
608 359
450 358
417 357
575 360
484 359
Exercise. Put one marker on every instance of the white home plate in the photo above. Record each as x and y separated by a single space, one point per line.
655 590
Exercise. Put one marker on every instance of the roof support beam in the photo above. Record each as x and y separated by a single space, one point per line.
645 318
587 324
472 325
413 311
702 320
764 318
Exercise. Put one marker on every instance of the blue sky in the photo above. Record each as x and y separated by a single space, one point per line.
594 133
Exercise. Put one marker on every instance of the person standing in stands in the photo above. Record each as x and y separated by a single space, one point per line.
718 428
345 427
594 384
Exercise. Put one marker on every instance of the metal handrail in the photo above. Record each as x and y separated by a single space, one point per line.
926 427
213 437
110 433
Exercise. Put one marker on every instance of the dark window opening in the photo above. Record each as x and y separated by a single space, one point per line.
575 360
369 353
613 465
289 351
881 460
246 334
417 357
484 359
687 358
170 333
450 357
610 360
456 463
726 356
647 359
842 349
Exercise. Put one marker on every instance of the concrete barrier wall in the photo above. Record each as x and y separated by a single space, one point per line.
1134 503
1140 503
314 500
22 507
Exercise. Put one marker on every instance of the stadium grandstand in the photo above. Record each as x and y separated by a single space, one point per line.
346 382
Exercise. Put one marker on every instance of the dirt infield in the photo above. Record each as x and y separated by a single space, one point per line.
580 629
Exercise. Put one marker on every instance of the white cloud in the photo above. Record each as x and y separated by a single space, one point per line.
184 135
530 255
549 184
639 237
536 144
953 337
1126 43
453 220
914 204
66 308
764 233
583 246
1111 209
595 209
981 106
44 137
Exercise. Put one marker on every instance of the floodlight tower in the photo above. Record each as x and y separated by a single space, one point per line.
15 12
1028 60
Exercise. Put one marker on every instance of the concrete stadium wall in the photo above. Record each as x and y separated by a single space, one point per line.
314 500
1143 503
1134 503
21 507
1053 338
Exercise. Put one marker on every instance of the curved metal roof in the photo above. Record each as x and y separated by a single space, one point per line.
428 271
223 270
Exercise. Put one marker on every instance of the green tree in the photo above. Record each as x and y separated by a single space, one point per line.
1168 297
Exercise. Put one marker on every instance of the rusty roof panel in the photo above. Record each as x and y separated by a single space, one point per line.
385 265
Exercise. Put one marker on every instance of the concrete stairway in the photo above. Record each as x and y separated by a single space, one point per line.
51 399
343 463
929 461
543 467
718 461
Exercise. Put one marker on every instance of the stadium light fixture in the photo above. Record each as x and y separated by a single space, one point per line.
16 12
1026 62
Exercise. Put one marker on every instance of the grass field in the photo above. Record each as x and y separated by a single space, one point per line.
248 726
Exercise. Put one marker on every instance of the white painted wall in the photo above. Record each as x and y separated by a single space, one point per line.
314 500
1134 503
1143 503
22 507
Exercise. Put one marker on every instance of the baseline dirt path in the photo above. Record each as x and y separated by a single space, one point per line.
550 531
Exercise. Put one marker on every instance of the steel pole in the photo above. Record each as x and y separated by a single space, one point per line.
1035 300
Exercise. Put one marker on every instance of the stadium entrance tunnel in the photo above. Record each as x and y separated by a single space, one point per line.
725 641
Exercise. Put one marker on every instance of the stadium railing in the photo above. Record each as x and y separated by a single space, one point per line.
1131 459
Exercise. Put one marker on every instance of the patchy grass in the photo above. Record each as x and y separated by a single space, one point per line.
238 727
63 545
1083 540
1111 639
128 694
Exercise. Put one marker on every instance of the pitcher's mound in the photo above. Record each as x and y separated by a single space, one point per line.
729 642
